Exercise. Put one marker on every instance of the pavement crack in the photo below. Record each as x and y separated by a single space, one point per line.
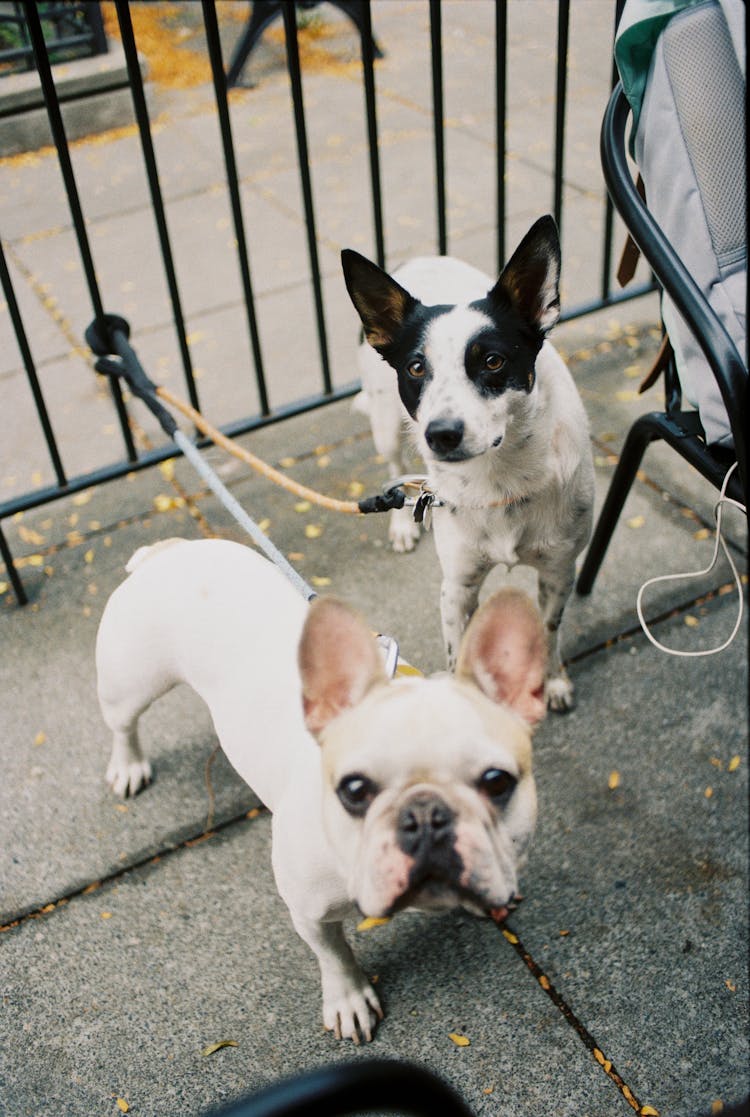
151 859
575 1023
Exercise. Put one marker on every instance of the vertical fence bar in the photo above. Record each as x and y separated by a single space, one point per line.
152 174
436 43
372 131
13 575
606 287
563 23
295 76
28 360
66 168
220 91
501 85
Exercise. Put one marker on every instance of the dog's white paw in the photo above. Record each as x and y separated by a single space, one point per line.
560 694
128 778
352 1013
403 532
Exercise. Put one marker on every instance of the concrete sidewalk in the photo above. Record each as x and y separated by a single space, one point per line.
136 934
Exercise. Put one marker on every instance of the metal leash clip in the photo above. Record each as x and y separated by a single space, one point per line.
424 500
389 650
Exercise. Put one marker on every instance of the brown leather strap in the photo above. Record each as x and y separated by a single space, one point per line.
661 360
631 252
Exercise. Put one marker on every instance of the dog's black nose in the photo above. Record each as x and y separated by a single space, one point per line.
444 435
423 823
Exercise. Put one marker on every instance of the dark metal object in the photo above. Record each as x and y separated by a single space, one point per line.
680 429
264 12
71 31
367 1086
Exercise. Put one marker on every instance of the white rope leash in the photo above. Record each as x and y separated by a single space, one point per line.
718 508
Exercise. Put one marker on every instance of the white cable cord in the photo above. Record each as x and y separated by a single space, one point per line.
718 508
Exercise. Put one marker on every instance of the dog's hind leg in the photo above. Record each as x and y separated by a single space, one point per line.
555 587
122 704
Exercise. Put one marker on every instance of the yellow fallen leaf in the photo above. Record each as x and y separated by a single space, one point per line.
632 371
627 395
324 461
691 621
372 921
602 1060
320 580
734 764
702 533
264 525
122 1105
287 463
544 982
82 498
613 781
510 936
716 762
40 738
296 556
356 488
214 1047
730 986
89 556
717 1106
636 521
708 792
30 536
459 1040
35 560
106 915
302 506
648 1111
4 586
313 531
167 469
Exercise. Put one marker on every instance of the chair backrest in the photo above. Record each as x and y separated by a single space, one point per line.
722 358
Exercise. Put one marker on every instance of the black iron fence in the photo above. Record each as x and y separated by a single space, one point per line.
70 31
132 458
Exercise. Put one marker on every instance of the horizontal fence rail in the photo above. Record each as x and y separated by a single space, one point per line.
379 212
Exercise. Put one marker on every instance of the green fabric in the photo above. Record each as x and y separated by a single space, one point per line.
641 23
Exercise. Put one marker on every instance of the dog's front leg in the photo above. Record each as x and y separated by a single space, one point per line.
555 586
463 574
350 1006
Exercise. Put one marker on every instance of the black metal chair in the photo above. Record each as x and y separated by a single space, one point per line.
681 429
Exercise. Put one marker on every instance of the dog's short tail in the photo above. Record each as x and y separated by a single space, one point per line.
148 552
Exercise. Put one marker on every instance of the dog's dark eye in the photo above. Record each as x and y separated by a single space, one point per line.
499 785
356 793
416 368
493 362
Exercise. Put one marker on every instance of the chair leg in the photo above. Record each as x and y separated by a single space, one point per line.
642 432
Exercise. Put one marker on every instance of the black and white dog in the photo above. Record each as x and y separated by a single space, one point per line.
496 417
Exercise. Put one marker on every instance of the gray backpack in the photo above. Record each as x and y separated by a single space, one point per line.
682 64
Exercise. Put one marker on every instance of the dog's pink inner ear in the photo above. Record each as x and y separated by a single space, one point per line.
338 661
504 652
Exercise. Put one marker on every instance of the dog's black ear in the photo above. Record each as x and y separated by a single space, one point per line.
531 278
379 300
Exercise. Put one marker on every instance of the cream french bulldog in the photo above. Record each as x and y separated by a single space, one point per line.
385 794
